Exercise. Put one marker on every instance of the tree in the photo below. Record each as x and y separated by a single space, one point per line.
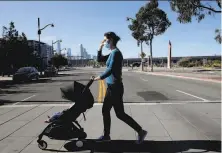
184 62
218 35
153 21
187 9
15 51
59 60
137 33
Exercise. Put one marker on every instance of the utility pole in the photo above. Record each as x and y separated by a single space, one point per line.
40 55
39 33
52 48
169 56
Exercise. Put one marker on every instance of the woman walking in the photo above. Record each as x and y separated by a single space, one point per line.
115 88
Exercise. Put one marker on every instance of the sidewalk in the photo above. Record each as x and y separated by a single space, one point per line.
176 128
211 77
179 69
5 78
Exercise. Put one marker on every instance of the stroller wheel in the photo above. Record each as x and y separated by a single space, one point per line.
79 143
42 144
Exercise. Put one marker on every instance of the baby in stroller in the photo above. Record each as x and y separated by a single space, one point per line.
61 124
56 115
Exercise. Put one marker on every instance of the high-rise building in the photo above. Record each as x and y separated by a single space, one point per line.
81 51
46 50
69 52
94 57
85 53
58 47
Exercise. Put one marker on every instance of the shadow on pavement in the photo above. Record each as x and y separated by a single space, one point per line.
68 80
7 84
10 83
5 92
120 146
3 101
64 75
152 95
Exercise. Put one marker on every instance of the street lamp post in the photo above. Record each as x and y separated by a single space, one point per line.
39 33
54 43
62 49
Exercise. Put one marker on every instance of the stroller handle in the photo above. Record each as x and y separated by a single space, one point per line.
89 83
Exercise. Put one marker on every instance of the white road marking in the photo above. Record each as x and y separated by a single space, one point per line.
24 99
59 83
128 104
143 79
192 95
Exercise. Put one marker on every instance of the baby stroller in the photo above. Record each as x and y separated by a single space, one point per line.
65 127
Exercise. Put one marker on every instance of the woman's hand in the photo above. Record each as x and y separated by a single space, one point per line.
96 78
102 44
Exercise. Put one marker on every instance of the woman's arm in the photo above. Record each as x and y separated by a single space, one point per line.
101 58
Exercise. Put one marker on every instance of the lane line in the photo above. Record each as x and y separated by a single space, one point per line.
192 95
100 92
24 99
143 79
59 83
28 98
129 104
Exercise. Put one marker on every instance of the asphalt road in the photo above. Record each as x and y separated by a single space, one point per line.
139 88
181 116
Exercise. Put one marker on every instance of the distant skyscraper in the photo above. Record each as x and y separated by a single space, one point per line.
81 51
85 53
69 52
58 47
94 57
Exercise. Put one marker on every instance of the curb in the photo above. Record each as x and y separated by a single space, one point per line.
178 76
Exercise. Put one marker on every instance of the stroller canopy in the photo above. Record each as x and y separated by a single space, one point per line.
74 92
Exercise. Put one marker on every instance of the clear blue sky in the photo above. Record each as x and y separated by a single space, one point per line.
86 22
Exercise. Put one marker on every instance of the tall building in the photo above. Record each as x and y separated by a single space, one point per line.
94 57
69 54
58 47
85 53
46 50
81 51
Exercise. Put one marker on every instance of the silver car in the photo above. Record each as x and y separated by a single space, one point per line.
26 74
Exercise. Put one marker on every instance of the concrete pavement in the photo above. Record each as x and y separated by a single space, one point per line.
180 115
172 127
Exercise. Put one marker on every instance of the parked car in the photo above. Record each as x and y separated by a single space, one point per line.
51 71
136 64
26 74
96 66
